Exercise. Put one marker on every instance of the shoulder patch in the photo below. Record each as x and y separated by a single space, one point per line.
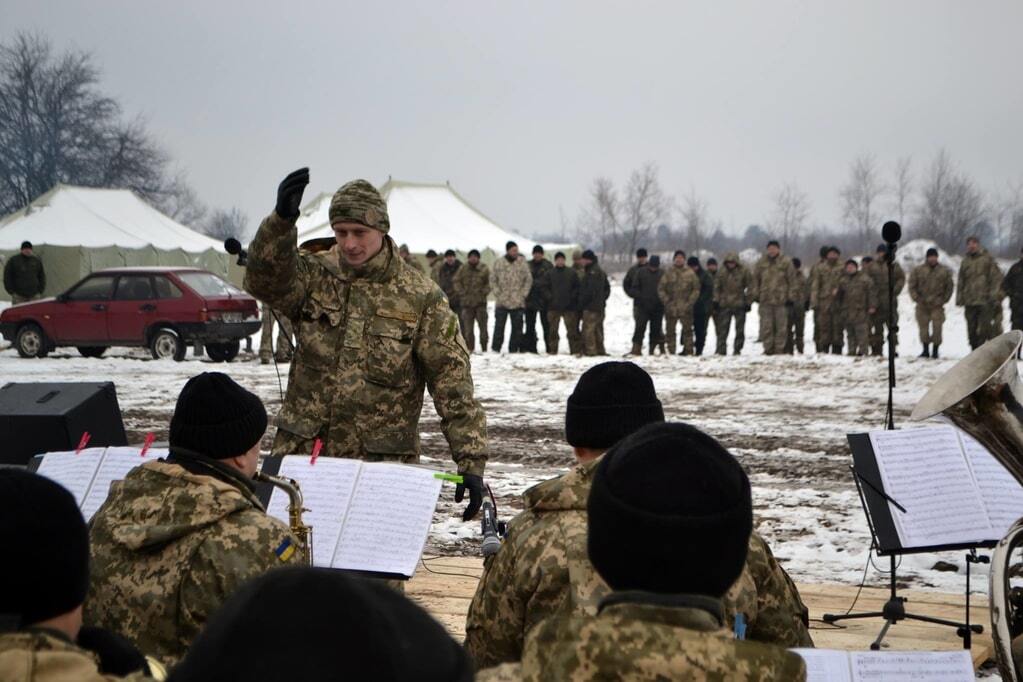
285 550
403 315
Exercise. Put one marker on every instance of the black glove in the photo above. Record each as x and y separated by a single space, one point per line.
289 193
117 656
474 484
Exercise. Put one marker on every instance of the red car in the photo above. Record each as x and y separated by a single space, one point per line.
164 309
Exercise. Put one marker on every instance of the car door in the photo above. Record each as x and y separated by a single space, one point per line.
132 309
81 315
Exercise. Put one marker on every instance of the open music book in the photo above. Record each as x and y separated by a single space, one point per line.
89 473
366 516
954 490
828 665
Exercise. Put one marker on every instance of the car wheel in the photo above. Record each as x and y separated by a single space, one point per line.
31 342
223 352
165 343
92 351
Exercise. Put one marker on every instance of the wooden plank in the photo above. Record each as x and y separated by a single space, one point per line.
447 591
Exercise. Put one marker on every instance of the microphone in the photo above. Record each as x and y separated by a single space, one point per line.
234 247
891 232
491 539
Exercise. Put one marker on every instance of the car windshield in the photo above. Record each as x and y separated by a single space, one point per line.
208 284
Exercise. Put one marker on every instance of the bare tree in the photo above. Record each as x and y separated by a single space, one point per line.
600 217
950 204
1006 213
791 211
695 222
179 201
860 198
223 224
644 207
902 187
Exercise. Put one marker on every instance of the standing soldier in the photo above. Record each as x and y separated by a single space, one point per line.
444 275
878 273
594 290
977 291
539 298
774 288
512 283
648 303
1012 285
823 288
631 287
472 284
372 332
564 299
857 301
930 287
809 288
24 276
679 289
285 334
574 320
433 263
731 301
702 307
409 259
797 311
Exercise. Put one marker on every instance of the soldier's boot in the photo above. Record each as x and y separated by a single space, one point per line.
934 351
264 359
552 348
660 345
652 346
927 351
836 349
637 349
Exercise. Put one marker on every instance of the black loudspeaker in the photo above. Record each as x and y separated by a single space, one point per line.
49 417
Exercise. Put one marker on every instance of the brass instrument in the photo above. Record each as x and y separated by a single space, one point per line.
983 395
302 532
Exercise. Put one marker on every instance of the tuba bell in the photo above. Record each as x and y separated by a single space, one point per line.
983 396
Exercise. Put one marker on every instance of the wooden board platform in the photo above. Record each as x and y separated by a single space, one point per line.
447 597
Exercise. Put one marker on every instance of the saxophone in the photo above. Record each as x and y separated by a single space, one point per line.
302 532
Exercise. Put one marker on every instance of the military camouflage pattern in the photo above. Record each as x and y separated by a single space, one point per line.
370 339
168 547
930 288
797 314
774 281
828 328
856 298
472 284
594 290
511 282
731 285
980 279
285 336
37 655
359 201
413 263
679 289
878 272
646 637
543 570
444 276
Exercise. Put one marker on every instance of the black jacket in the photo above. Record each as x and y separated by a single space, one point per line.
645 288
564 286
24 275
705 302
594 290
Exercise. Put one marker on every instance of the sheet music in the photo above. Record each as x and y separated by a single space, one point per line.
115 465
906 666
388 519
1001 493
926 472
73 471
326 492
826 665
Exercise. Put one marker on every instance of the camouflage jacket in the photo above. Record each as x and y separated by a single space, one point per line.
594 289
774 281
929 286
564 289
169 546
1012 285
369 340
980 280
679 290
540 290
38 655
414 263
878 273
640 636
445 279
824 284
435 267
802 289
542 570
472 284
732 284
512 283
856 295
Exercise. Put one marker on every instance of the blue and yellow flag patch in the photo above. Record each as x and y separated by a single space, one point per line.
285 550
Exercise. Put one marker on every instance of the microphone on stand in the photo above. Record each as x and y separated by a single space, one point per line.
234 247
891 232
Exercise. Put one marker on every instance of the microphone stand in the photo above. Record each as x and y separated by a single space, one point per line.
893 326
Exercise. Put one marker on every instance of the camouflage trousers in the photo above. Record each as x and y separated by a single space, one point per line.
828 329
796 329
593 333
470 317
571 318
858 331
285 334
878 324
687 337
722 321
774 322
979 323
930 320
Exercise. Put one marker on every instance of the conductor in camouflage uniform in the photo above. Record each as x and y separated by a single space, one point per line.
660 497
542 569
372 334
930 287
878 273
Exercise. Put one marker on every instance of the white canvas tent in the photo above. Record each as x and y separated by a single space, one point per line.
76 230
427 216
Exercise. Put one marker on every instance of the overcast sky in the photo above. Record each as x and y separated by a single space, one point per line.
521 104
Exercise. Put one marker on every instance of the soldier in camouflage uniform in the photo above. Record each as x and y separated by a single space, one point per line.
285 336
977 291
662 617
797 311
444 275
511 282
774 289
594 290
930 287
823 289
472 284
809 288
177 536
372 334
538 300
679 289
857 301
878 273
409 259
1012 285
542 569
647 307
731 302
564 300
433 263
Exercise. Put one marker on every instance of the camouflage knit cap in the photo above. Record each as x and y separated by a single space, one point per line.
359 202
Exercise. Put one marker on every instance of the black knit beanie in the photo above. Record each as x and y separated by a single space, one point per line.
216 417
336 627
610 401
669 512
46 573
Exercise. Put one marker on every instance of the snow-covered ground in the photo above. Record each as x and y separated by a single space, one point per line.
785 417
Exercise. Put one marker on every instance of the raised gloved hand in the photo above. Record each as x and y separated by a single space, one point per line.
289 193
117 655
474 484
